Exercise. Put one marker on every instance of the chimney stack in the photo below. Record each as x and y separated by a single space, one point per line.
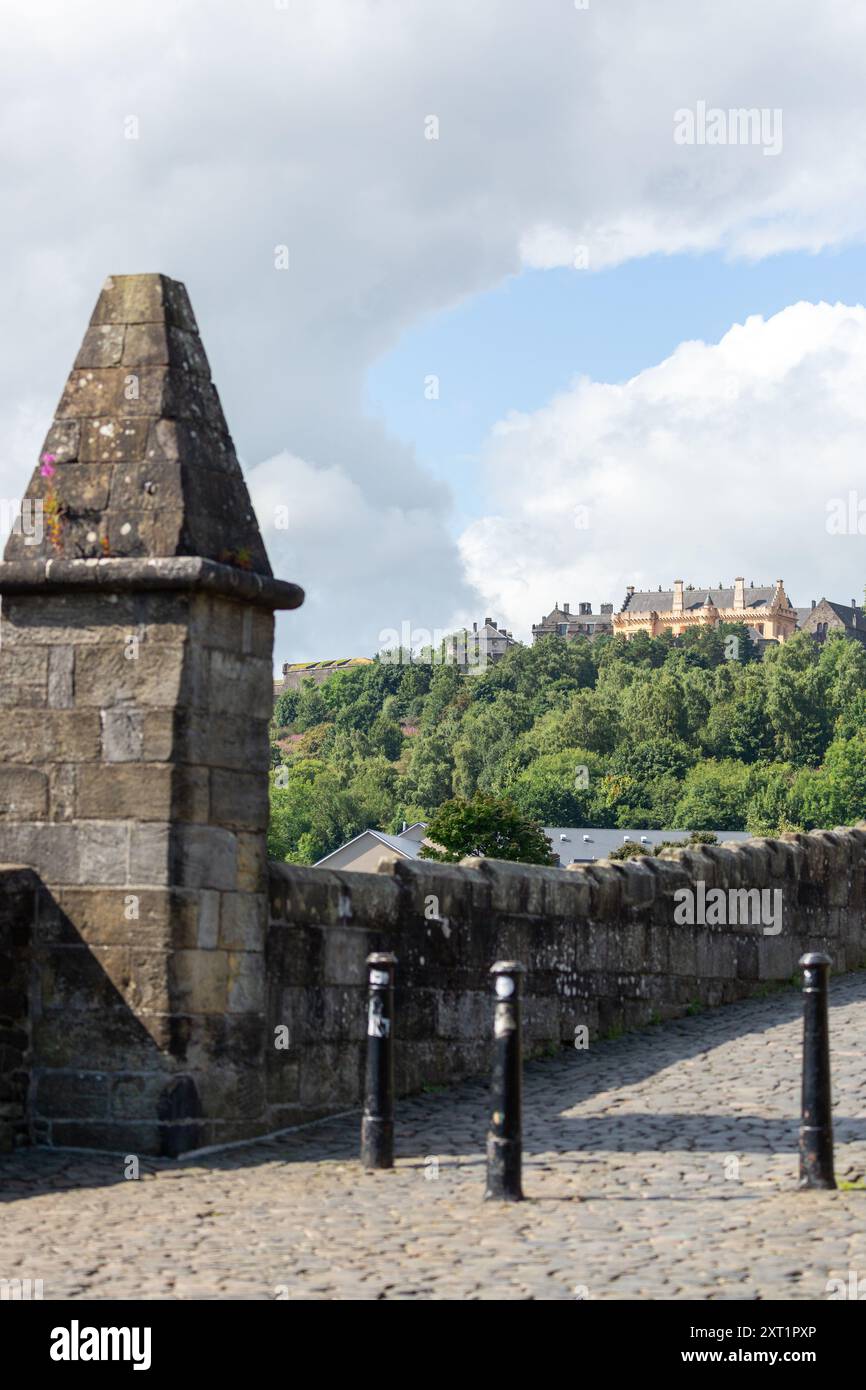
739 593
677 604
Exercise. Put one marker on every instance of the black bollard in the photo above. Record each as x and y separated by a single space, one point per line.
816 1127
377 1124
505 1137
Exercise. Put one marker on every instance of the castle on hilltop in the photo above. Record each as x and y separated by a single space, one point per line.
765 609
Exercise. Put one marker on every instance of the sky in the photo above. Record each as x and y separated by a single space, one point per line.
501 300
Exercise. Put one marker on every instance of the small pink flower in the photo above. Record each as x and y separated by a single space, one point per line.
47 470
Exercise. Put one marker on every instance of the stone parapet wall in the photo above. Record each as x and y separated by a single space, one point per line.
18 902
600 944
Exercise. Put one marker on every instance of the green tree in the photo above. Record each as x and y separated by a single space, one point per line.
836 793
557 788
286 708
591 720
654 707
427 781
311 708
769 805
714 796
739 726
386 737
485 825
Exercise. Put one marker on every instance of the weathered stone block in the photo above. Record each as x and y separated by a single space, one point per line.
236 1093
102 346
240 800
53 736
56 619
152 918
607 889
146 986
23 793
59 855
150 855
72 1095
777 958
246 982
146 487
208 927
23 676
105 676
122 734
61 792
136 1096
204 856
124 792
129 299
345 954
62 440
638 883
242 921
229 741
160 344
240 684
199 981
61 664
120 1137
252 863
283 1077
112 438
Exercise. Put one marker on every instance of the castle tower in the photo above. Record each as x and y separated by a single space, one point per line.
136 680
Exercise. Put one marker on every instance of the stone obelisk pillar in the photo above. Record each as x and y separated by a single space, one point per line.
136 685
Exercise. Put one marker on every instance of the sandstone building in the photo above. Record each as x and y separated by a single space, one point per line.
765 609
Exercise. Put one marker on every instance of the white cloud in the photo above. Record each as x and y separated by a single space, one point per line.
304 126
361 564
724 454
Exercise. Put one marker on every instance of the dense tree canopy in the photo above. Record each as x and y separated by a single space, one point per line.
652 734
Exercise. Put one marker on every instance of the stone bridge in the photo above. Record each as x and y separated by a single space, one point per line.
163 989
661 1165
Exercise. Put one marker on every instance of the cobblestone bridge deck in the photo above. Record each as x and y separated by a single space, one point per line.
659 1165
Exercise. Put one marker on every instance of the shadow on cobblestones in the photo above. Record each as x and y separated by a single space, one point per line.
653 1091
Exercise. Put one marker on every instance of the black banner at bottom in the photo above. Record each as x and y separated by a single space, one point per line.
153 1338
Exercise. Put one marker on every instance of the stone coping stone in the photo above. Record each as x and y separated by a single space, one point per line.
168 572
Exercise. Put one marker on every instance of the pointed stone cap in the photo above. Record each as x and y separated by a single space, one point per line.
138 465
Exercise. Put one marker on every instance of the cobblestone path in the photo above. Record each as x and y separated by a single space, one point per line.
659 1165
